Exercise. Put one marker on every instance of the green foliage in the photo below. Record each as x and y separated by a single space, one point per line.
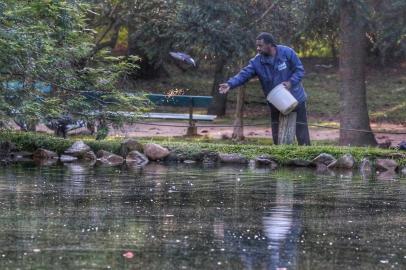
284 21
110 145
316 48
214 28
50 42
29 141
102 131
318 33
153 23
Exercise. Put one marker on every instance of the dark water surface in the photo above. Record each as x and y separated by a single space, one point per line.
193 217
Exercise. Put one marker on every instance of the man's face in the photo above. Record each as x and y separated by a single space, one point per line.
263 48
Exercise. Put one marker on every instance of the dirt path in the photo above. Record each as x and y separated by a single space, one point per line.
213 131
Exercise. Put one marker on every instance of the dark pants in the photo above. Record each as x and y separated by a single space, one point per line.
302 130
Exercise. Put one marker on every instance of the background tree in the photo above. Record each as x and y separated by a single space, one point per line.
353 106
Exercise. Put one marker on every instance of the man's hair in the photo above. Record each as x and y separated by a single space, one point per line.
267 38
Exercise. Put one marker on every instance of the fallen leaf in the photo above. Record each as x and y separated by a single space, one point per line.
128 255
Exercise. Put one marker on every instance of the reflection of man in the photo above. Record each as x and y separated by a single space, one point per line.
274 246
276 64
282 228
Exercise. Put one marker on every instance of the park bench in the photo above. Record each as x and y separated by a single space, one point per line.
190 102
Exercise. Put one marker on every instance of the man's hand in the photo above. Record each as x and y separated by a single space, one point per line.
224 88
287 84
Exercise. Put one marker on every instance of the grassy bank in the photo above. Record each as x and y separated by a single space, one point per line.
249 149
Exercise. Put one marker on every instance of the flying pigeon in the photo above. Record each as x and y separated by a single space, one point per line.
183 57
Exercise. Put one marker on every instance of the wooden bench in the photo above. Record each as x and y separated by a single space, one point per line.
190 102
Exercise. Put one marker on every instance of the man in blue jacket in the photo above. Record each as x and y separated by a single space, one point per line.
275 64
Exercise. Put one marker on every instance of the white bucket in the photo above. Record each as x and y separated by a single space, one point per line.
282 99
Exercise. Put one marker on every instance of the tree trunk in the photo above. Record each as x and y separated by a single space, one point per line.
333 47
287 128
238 132
353 106
218 106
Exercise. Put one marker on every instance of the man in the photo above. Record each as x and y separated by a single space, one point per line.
275 64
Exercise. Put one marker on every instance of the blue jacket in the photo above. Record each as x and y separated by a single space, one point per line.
286 66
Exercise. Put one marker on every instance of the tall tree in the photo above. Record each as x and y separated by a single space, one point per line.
353 106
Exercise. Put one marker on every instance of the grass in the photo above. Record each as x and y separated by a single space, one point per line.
282 153
386 91
250 148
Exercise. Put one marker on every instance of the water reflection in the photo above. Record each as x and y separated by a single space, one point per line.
282 226
75 179
46 162
387 176
190 217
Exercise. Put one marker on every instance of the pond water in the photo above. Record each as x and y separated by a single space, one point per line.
198 217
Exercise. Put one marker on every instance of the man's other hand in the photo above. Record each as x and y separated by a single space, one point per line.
287 84
224 88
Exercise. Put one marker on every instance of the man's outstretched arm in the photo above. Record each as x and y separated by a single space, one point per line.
242 77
